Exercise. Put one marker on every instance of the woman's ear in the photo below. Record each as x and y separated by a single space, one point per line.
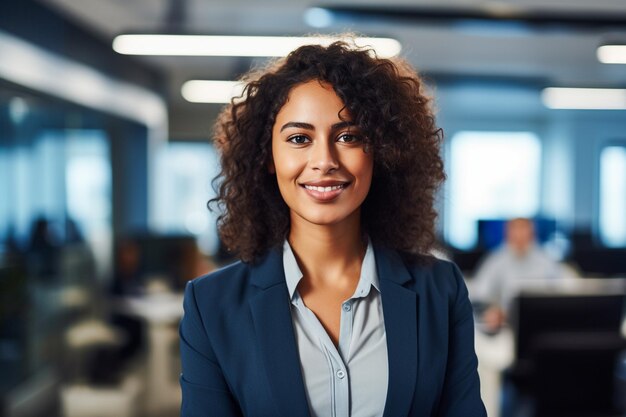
270 166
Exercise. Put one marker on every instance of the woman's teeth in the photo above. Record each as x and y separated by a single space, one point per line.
323 189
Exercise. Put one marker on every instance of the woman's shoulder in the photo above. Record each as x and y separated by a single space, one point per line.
221 282
437 270
426 265
430 274
438 282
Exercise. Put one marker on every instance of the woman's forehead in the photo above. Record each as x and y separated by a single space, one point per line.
313 101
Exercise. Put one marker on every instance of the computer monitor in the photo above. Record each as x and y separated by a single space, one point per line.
535 315
567 347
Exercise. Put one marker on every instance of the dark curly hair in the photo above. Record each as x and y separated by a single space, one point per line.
386 100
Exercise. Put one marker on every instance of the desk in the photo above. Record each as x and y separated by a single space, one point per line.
161 313
495 353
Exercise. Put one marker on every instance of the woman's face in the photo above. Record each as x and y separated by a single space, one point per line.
321 166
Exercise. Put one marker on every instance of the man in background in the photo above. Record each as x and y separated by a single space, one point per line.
520 258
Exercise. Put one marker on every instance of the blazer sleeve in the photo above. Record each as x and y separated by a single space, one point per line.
461 391
205 392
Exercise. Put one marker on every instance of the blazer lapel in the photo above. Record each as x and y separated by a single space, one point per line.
274 329
400 310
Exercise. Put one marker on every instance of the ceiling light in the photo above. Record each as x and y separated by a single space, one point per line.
18 109
211 91
261 46
318 18
584 98
612 54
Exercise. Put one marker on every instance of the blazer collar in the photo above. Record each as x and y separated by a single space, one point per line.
391 266
268 270
400 311
271 315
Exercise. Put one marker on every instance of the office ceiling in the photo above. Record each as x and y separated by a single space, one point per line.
444 47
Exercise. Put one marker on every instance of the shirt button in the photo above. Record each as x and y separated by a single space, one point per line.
340 374
347 307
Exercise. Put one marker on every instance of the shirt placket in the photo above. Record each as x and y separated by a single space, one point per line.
339 376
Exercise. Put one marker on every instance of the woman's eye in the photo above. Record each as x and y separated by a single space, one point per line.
348 138
298 139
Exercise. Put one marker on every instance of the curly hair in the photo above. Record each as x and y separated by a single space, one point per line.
386 100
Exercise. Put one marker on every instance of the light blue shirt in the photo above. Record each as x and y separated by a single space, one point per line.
496 279
351 380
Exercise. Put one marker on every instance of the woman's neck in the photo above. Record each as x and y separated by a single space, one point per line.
328 255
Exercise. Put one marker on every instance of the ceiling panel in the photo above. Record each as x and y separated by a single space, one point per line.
558 57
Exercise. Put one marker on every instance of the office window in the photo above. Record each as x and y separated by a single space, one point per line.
491 175
612 218
88 183
64 177
184 174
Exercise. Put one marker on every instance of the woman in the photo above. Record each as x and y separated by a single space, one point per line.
330 162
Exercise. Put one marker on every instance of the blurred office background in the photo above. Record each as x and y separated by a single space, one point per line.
105 171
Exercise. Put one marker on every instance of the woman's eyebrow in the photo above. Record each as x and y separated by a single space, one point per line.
341 125
308 126
300 125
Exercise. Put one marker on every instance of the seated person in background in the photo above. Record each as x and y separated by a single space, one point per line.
518 259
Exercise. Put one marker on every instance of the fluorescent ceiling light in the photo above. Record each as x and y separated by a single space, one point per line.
263 46
584 98
612 54
210 91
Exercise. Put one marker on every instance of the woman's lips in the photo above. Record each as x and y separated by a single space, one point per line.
324 194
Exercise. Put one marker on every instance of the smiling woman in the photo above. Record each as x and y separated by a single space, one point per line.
330 162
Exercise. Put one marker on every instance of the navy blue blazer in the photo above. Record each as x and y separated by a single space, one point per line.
239 354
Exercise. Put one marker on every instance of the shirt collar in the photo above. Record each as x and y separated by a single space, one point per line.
368 278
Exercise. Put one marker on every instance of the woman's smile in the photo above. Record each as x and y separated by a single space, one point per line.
325 191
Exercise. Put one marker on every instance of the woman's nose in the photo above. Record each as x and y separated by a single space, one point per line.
323 156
